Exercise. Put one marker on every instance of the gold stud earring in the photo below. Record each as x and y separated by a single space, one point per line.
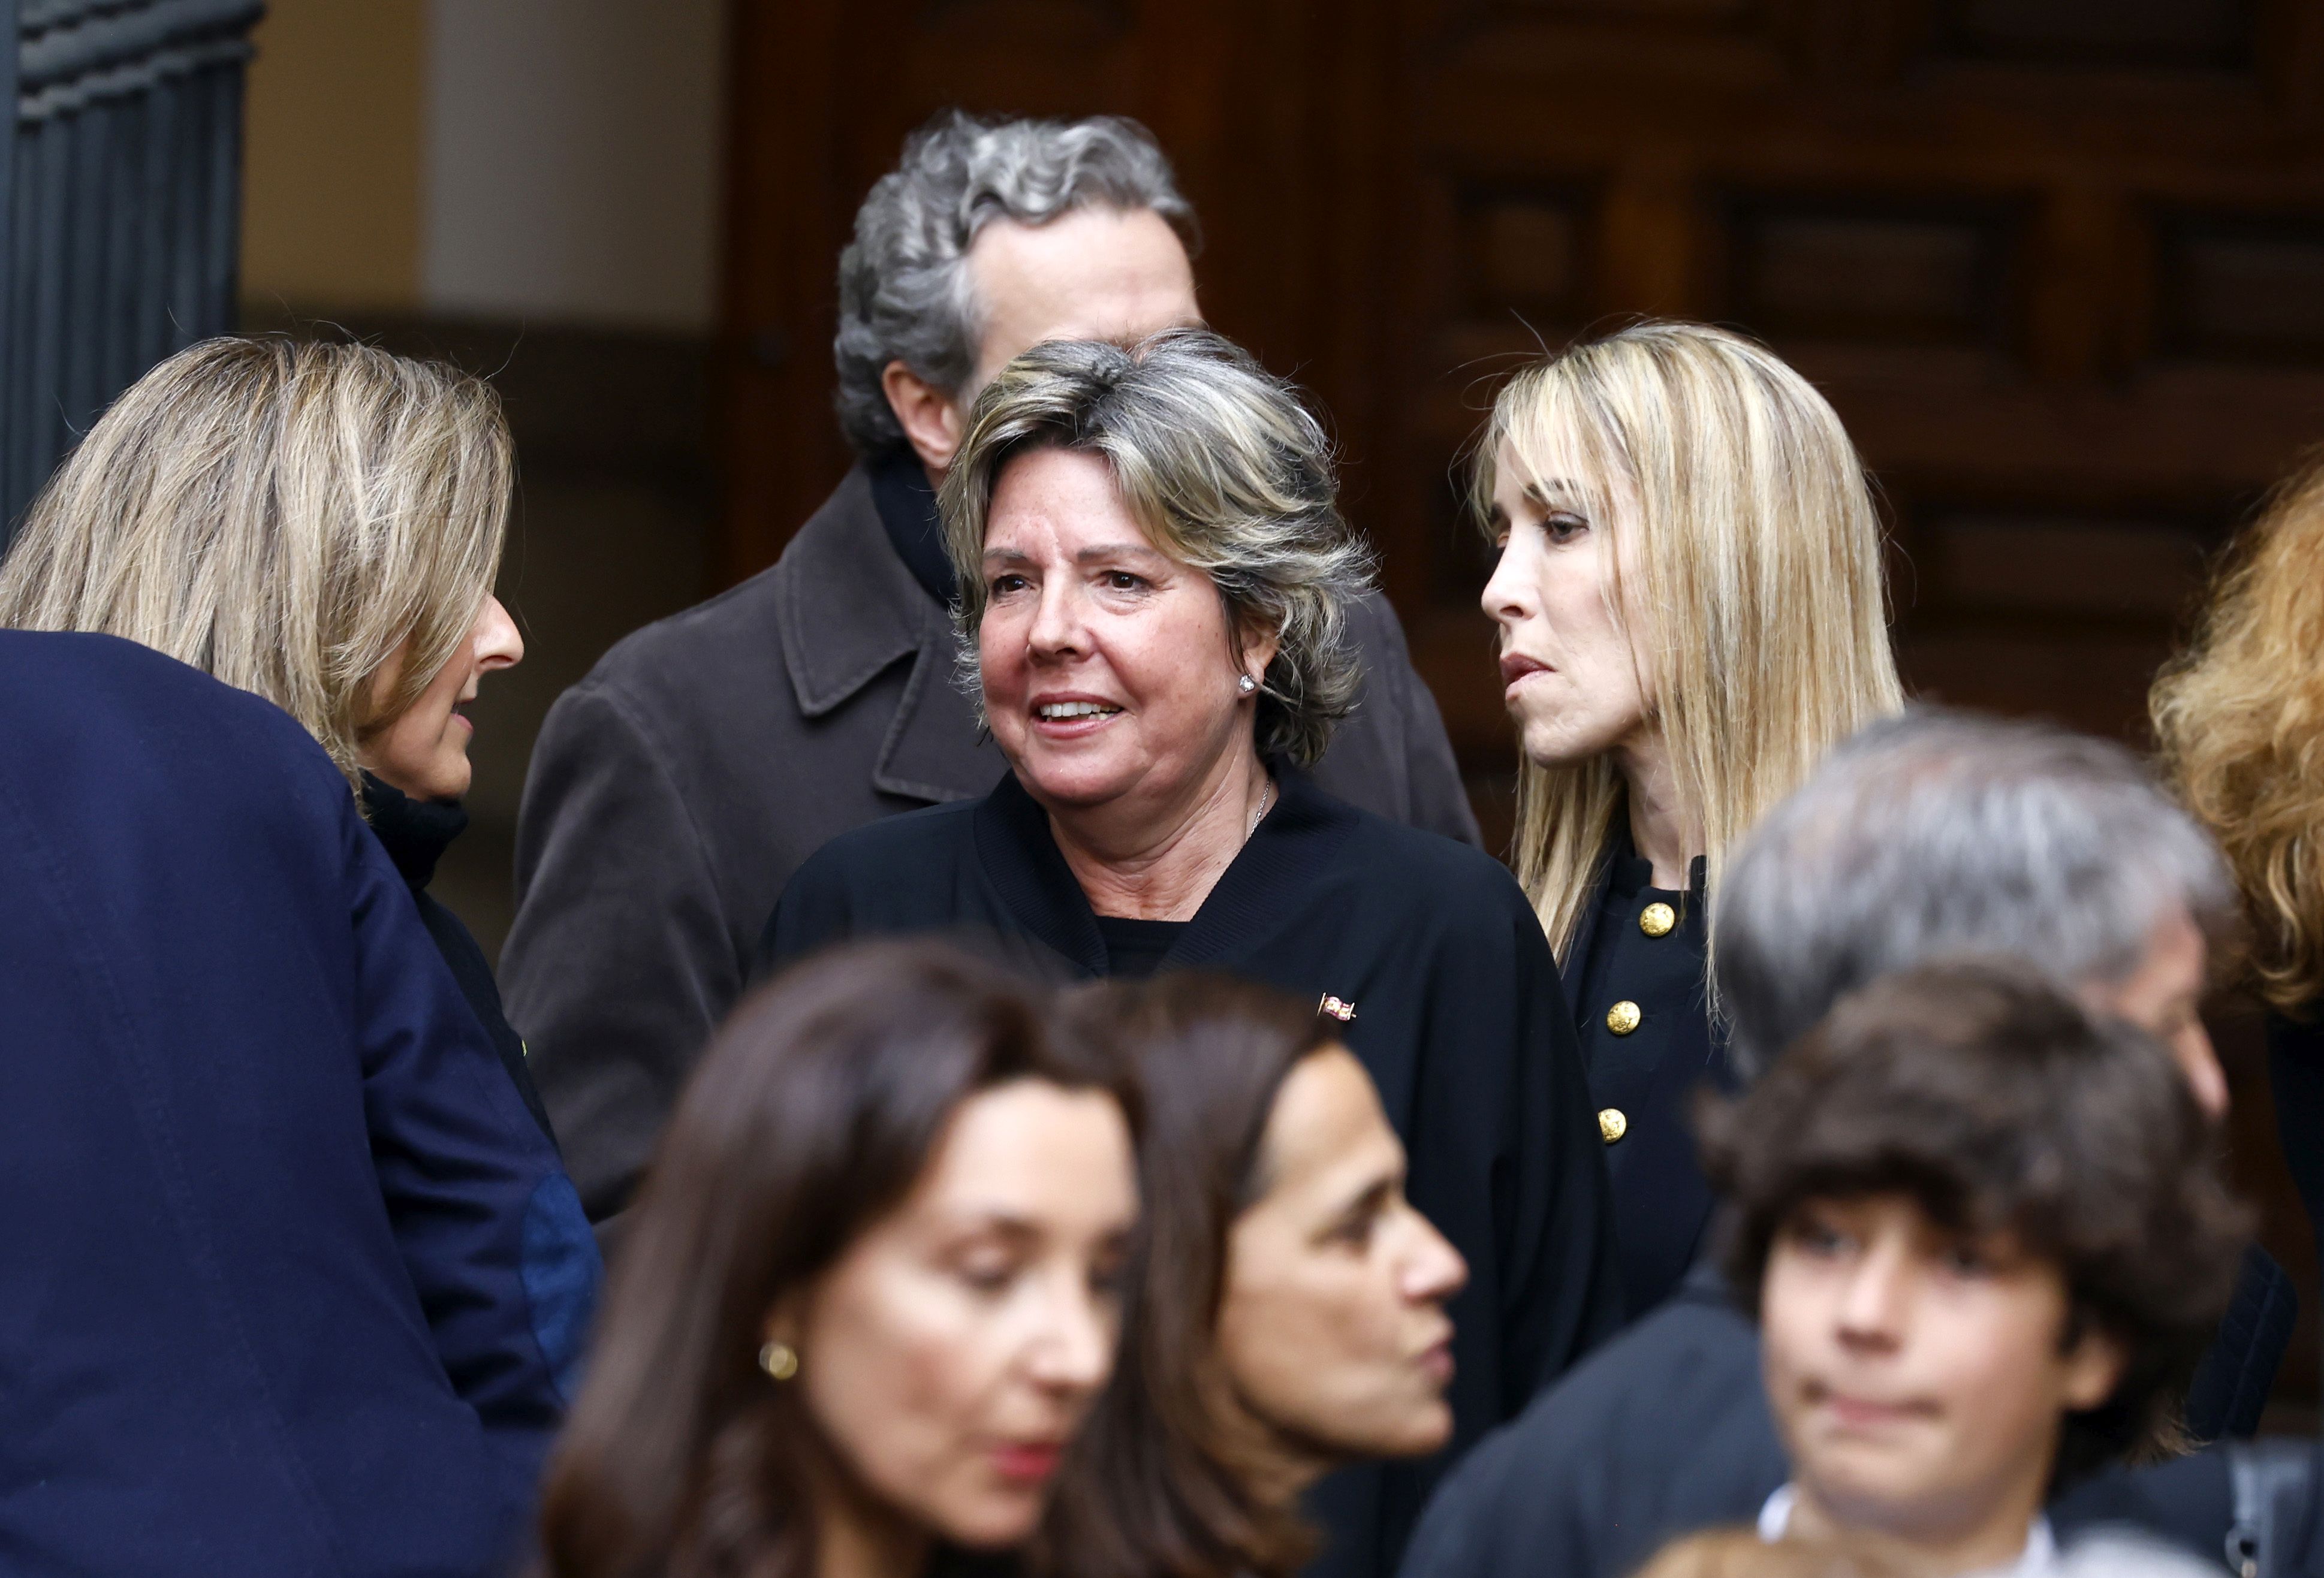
779 1360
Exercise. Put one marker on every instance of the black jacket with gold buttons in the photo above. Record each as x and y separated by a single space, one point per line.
1641 1018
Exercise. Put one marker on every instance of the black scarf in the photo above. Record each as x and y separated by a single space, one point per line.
414 833
907 503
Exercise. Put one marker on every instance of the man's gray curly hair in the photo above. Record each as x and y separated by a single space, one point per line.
1225 469
904 293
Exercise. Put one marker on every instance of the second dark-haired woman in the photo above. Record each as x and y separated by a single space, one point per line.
1154 575
1287 1311
868 1293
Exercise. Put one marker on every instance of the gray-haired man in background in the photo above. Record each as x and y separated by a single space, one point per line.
676 789
1933 835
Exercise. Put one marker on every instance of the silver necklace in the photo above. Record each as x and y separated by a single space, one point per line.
1266 799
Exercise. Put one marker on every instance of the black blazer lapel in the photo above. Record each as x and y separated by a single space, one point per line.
1268 878
1020 858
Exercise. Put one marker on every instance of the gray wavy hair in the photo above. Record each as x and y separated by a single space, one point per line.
1943 833
904 293
1226 470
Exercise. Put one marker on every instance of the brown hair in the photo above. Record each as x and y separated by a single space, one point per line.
2239 719
1997 1104
1154 1492
816 1108
1740 1553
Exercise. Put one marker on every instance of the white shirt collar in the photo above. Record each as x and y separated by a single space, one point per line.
2040 1556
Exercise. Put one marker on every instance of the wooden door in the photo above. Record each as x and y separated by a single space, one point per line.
2059 264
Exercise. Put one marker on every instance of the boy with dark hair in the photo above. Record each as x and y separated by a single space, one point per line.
1987 1246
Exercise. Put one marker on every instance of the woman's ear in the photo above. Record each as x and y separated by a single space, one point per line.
1254 647
2094 1367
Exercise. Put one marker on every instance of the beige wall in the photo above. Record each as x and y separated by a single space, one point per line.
549 161
572 158
527 188
332 169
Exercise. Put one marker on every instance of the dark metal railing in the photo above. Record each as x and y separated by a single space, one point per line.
120 208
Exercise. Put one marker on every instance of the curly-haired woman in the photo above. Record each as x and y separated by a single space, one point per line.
2239 718
1154 581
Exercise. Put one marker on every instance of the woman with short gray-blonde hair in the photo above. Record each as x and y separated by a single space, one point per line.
320 524
1225 471
1155 580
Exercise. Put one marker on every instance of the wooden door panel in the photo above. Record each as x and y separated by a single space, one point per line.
2058 263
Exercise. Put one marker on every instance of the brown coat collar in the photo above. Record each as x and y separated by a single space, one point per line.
848 610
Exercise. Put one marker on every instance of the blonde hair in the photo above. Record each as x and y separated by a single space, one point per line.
1755 551
284 516
2239 720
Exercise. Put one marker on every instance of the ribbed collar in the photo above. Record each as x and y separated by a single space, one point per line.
414 833
1632 872
1298 837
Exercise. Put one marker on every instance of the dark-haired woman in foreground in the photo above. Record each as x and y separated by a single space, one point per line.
870 1291
1288 1313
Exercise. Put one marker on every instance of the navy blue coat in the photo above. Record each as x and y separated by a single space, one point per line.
290 1281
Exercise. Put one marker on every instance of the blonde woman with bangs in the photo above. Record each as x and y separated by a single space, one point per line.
1692 612
2239 722
320 525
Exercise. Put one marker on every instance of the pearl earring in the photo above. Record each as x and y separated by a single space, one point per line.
1246 684
779 1360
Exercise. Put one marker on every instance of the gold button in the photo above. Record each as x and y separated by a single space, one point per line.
1611 1124
1656 920
1623 1017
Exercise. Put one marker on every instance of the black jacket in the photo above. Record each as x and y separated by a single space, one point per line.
2295 1077
1458 1018
1665 1431
1643 1079
675 790
415 834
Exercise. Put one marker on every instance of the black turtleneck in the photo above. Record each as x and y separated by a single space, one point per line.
907 503
415 834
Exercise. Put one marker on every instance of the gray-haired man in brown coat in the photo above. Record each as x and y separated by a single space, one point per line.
676 789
